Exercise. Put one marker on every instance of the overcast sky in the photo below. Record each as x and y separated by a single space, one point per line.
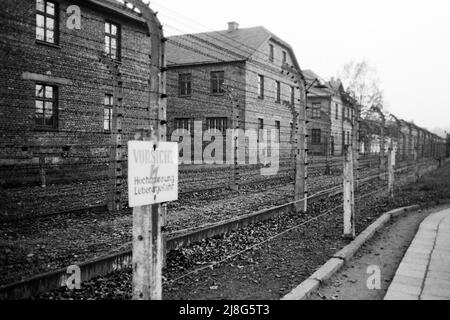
408 41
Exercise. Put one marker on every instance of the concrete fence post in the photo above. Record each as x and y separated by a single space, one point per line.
391 159
416 166
301 135
349 196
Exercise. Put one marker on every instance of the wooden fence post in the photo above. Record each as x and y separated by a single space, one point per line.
349 196
147 258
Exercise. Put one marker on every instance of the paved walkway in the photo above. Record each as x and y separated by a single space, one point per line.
424 273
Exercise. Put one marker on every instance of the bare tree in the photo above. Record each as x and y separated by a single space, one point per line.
361 81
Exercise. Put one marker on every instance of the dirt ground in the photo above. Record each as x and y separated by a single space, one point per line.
385 250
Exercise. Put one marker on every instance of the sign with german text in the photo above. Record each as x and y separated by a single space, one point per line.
152 172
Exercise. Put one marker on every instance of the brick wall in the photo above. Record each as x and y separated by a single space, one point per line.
267 108
76 155
201 104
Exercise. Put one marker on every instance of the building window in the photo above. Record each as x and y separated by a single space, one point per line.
260 86
278 90
107 112
316 110
46 106
284 57
217 123
316 135
112 40
260 128
217 79
278 131
260 124
184 84
183 123
271 52
337 111
46 21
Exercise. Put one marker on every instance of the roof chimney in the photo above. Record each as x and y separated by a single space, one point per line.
232 26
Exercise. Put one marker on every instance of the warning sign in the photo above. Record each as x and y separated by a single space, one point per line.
152 172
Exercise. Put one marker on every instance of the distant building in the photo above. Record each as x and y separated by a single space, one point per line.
331 114
213 73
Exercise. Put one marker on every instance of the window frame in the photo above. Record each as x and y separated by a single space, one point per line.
271 52
187 121
54 17
316 110
44 99
223 121
284 56
260 86
260 127
278 129
316 137
184 84
219 82
117 37
108 107
277 91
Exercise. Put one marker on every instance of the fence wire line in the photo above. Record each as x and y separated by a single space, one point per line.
211 265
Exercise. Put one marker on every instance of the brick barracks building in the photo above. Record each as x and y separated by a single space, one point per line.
213 76
74 85
331 116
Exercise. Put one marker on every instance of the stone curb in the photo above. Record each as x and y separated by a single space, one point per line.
326 271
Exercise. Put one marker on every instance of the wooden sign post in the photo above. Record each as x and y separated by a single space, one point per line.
145 193
349 196
152 179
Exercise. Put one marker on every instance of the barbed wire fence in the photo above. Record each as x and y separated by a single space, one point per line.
81 171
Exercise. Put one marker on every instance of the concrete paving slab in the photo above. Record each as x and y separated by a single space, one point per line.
431 297
438 275
409 281
427 262
407 289
435 290
399 295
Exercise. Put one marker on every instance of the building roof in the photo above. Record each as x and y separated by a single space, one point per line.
118 7
310 76
220 46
